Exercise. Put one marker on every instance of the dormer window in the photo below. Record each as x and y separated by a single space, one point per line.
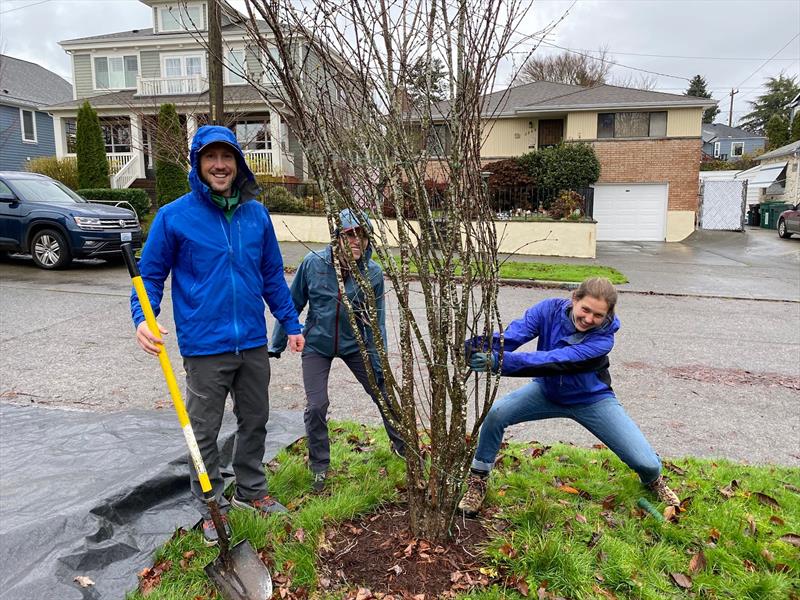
181 17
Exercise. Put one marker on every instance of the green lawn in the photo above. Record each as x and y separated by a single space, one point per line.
569 526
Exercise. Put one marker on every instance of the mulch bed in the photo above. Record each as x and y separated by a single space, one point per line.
377 557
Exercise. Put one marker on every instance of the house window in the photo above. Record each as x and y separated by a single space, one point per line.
716 149
184 65
234 73
253 134
439 140
116 134
737 149
631 124
115 72
179 17
27 119
71 133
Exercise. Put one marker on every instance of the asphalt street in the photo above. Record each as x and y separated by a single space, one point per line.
704 372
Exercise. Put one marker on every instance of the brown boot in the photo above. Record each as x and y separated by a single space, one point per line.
665 495
473 498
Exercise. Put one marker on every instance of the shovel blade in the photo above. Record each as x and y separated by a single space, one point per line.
241 575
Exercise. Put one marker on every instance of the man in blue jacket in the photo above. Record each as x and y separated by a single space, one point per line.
329 334
219 245
572 335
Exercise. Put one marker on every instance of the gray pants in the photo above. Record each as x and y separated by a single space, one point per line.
209 380
316 370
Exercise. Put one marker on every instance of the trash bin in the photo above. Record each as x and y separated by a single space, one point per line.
753 215
770 211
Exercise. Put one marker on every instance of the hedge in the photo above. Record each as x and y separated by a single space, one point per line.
280 200
137 198
64 170
566 166
91 150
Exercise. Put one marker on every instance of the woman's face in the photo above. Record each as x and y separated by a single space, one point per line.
588 312
356 239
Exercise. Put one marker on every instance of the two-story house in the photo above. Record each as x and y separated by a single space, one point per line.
648 144
126 76
26 130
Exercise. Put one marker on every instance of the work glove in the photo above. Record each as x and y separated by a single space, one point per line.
273 354
483 362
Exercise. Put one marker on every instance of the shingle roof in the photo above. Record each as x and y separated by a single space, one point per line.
127 98
23 82
140 34
712 131
786 150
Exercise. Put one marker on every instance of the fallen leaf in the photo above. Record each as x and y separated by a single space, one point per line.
397 569
508 550
713 535
522 588
749 565
685 504
767 555
599 446
670 513
768 500
324 583
674 468
569 489
83 581
300 535
594 539
776 520
782 568
681 580
751 526
580 518
364 594
609 502
698 562
791 538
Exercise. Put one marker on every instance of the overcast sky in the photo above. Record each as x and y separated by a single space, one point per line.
731 43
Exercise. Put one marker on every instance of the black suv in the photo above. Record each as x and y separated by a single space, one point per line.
45 218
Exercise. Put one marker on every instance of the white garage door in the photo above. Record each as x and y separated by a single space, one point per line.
632 212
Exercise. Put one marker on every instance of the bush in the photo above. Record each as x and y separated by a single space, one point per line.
566 166
64 170
568 205
91 150
507 173
171 177
136 198
280 200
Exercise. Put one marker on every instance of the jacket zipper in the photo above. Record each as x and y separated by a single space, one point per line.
233 278
336 331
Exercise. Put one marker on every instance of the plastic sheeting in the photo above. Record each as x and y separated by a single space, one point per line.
94 494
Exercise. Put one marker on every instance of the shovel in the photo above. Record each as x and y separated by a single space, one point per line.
238 572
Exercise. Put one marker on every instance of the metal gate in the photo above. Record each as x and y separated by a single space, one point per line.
722 205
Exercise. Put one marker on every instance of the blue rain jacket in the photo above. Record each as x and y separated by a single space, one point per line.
560 349
221 272
327 328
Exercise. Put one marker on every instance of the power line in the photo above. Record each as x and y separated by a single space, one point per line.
615 53
24 6
770 58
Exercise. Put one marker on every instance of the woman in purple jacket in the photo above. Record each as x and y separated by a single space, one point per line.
571 333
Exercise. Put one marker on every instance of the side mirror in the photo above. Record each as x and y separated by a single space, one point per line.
7 197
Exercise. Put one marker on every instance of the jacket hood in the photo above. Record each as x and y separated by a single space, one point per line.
209 134
351 219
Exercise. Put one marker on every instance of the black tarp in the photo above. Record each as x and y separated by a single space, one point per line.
93 494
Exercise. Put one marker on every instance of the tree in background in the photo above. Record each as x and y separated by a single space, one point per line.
426 83
171 171
777 131
794 134
697 88
568 67
779 93
91 150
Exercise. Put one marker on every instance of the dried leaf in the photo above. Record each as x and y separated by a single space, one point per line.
768 500
681 580
569 489
685 504
522 587
580 518
364 594
508 550
83 581
791 538
674 468
300 535
609 502
698 562
324 583
776 520
767 555
599 446
713 535
670 513
397 569
782 568
751 526
749 565
489 571
594 539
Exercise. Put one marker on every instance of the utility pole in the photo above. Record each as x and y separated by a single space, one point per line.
730 111
215 72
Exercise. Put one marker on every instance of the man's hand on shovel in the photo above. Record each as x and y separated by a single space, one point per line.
147 340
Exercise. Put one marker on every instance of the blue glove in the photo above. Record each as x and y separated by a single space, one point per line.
483 361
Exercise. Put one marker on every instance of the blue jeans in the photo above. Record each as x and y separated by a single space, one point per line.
606 419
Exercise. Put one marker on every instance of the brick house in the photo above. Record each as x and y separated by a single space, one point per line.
648 144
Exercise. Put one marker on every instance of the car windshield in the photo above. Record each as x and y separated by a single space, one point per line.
45 190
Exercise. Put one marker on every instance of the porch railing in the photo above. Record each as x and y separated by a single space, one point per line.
164 86
260 161
121 167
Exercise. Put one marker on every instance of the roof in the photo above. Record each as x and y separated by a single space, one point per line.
548 96
718 131
134 35
26 83
233 94
793 148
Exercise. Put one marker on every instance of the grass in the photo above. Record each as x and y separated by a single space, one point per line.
535 271
548 538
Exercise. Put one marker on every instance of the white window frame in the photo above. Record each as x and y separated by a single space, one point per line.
267 65
716 149
183 56
733 153
228 72
25 140
121 55
178 6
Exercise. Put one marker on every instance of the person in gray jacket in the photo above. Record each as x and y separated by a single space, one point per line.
328 333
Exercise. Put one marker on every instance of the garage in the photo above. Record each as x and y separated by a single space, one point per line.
631 212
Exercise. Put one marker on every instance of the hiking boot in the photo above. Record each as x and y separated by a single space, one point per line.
210 535
319 482
473 498
264 506
665 495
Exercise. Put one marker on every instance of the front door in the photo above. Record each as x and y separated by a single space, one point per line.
551 132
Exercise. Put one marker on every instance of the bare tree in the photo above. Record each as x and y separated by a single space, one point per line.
568 67
337 73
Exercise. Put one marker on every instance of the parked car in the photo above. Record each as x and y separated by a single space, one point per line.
789 222
43 217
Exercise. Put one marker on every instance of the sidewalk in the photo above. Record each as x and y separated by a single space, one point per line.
753 265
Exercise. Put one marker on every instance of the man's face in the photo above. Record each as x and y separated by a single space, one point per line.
218 168
356 239
589 312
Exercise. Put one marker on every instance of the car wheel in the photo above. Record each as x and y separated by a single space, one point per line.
49 249
782 229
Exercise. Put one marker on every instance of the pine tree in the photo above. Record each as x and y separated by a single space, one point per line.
794 134
777 132
779 93
171 175
91 150
697 88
